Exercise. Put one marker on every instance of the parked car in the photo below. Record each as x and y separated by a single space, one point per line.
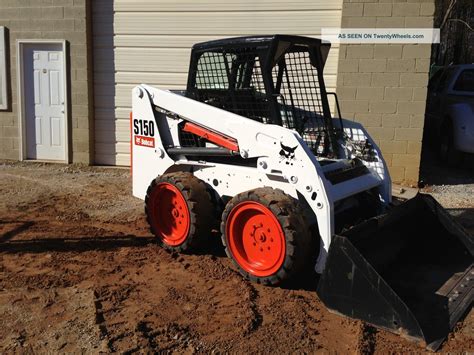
450 111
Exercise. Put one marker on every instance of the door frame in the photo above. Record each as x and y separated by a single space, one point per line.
21 43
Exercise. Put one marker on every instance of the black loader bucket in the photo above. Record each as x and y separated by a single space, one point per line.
409 271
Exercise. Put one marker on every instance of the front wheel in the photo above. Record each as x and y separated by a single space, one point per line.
265 234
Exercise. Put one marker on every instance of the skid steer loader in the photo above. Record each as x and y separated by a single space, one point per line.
251 145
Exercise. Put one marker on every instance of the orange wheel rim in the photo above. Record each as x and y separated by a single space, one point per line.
169 214
255 239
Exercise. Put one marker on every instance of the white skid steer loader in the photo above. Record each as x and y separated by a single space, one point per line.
253 133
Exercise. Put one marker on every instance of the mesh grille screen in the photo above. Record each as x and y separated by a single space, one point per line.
299 99
235 82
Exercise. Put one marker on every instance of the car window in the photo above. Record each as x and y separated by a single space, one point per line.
465 81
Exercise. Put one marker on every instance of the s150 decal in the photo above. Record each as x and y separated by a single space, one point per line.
144 132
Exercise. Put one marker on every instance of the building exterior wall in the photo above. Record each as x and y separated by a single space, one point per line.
150 42
56 20
384 86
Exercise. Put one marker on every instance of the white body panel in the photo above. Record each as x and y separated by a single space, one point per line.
301 176
44 102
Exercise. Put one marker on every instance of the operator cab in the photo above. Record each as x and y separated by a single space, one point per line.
274 79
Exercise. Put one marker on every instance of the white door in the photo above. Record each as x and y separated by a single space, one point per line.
44 102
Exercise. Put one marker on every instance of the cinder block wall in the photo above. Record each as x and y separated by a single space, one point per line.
384 86
51 19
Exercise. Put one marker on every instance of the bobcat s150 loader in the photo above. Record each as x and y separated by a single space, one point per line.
251 145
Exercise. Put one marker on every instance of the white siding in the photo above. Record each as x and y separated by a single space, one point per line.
149 42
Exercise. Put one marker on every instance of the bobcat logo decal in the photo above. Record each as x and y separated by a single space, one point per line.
287 152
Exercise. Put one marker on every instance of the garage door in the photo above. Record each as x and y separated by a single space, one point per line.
149 42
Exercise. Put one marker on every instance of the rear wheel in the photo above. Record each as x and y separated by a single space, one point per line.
264 233
179 211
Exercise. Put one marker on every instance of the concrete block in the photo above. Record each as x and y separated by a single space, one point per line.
385 79
342 51
79 62
416 51
80 146
390 22
83 122
419 22
356 79
358 22
411 107
420 94
354 105
10 132
383 107
352 9
75 12
360 51
369 93
378 9
346 93
387 157
369 119
80 134
80 110
80 99
401 65
53 13
396 120
391 147
406 160
348 66
396 94
412 175
13 154
63 25
427 9
382 133
413 79
81 157
397 173
372 65
80 25
409 134
382 51
423 65
406 9
417 121
414 148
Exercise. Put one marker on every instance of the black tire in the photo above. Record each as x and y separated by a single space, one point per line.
448 154
297 236
201 211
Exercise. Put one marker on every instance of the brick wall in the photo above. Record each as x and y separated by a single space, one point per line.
383 86
51 19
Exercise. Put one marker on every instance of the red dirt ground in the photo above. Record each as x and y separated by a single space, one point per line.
79 271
